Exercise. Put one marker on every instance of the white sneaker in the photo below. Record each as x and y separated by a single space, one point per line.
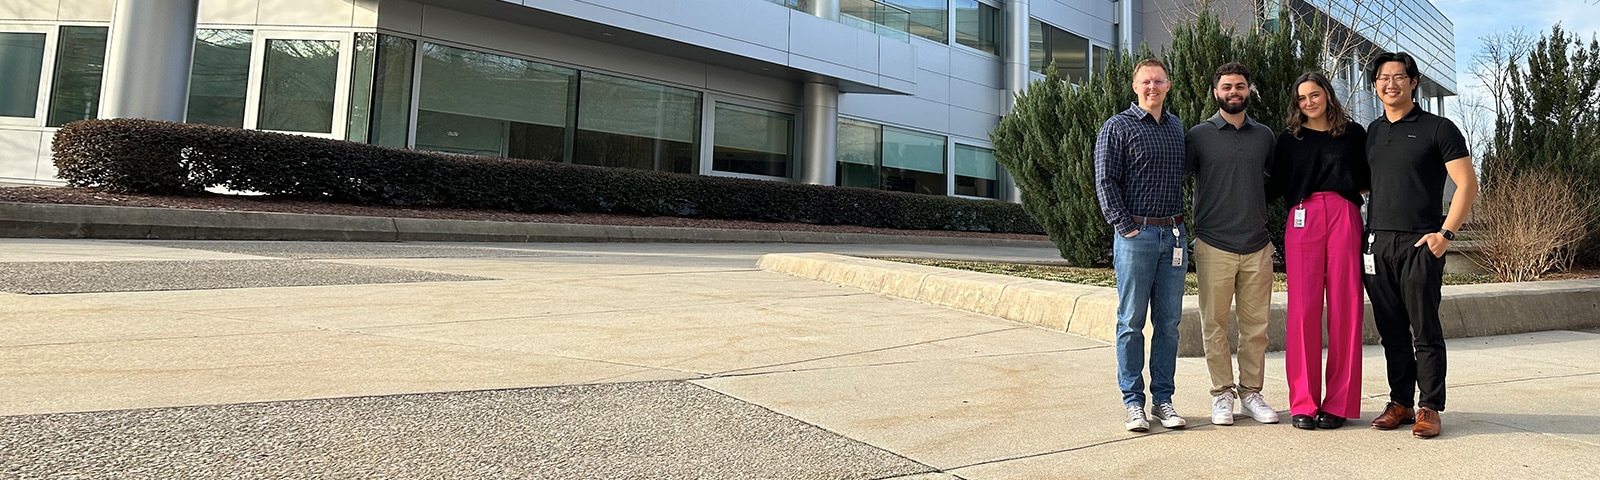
1258 409
1136 421
1168 416
1222 409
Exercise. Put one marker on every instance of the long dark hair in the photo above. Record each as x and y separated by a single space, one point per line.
1337 119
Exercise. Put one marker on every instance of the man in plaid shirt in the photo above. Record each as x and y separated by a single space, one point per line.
1138 173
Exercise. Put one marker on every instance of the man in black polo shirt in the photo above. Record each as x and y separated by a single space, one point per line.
1411 152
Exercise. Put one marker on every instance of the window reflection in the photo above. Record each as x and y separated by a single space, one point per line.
220 77
480 103
753 141
633 124
21 63
80 62
297 86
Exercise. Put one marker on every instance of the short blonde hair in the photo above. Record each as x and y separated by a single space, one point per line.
1151 62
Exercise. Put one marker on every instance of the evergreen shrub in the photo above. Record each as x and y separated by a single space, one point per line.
146 156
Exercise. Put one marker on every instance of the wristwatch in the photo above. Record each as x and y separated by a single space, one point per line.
1448 235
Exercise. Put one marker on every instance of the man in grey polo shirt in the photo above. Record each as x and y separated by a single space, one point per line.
1230 155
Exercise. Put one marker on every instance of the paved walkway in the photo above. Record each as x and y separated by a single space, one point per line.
405 360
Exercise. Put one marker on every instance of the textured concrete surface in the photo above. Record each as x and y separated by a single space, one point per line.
142 276
1466 310
643 430
172 384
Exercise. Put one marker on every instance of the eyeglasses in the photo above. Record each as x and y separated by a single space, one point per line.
1393 78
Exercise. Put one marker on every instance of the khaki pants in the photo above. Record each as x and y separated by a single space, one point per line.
1224 277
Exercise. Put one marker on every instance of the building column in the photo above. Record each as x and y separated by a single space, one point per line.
820 135
148 59
1125 26
1017 75
828 9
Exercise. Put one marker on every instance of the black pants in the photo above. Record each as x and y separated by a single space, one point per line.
1405 308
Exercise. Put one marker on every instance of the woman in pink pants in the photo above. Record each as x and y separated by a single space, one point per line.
1320 167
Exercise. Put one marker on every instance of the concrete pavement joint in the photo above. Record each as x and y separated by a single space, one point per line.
1524 379
1139 436
908 362
731 373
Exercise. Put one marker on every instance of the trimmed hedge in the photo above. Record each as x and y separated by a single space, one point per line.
146 156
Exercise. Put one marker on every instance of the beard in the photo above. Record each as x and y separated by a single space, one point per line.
1232 108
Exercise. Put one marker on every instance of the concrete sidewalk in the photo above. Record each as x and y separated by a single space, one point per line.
431 360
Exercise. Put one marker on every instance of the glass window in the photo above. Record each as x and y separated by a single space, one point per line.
976 172
485 104
21 63
979 25
297 86
365 58
1102 59
80 63
1071 54
928 17
752 141
913 162
380 91
1048 44
220 77
1036 57
859 149
633 124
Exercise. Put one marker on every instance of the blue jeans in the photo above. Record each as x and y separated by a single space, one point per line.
1147 282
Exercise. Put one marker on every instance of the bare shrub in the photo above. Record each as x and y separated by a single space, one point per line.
1529 224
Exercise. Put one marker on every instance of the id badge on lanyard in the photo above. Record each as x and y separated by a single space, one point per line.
1369 265
1299 216
1177 247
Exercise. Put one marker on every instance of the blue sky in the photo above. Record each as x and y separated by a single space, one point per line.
1476 18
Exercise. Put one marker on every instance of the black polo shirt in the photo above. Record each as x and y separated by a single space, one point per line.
1408 174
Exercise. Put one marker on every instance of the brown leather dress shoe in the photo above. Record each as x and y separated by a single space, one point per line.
1393 416
1427 423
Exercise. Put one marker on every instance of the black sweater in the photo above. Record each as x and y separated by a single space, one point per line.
1318 162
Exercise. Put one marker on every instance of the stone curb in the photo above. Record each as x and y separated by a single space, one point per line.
1465 310
38 220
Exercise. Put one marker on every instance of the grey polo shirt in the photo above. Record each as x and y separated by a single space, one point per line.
1230 166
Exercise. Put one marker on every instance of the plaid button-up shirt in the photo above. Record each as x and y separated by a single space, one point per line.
1138 167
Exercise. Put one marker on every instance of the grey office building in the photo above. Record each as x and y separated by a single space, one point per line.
890 94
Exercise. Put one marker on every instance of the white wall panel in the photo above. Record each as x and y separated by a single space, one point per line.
364 13
46 172
87 10
972 125
321 13
897 60
29 9
749 84
933 86
897 110
19 154
973 96
228 11
931 56
826 41
977 67
471 30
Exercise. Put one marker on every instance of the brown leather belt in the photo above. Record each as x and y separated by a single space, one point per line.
1159 221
